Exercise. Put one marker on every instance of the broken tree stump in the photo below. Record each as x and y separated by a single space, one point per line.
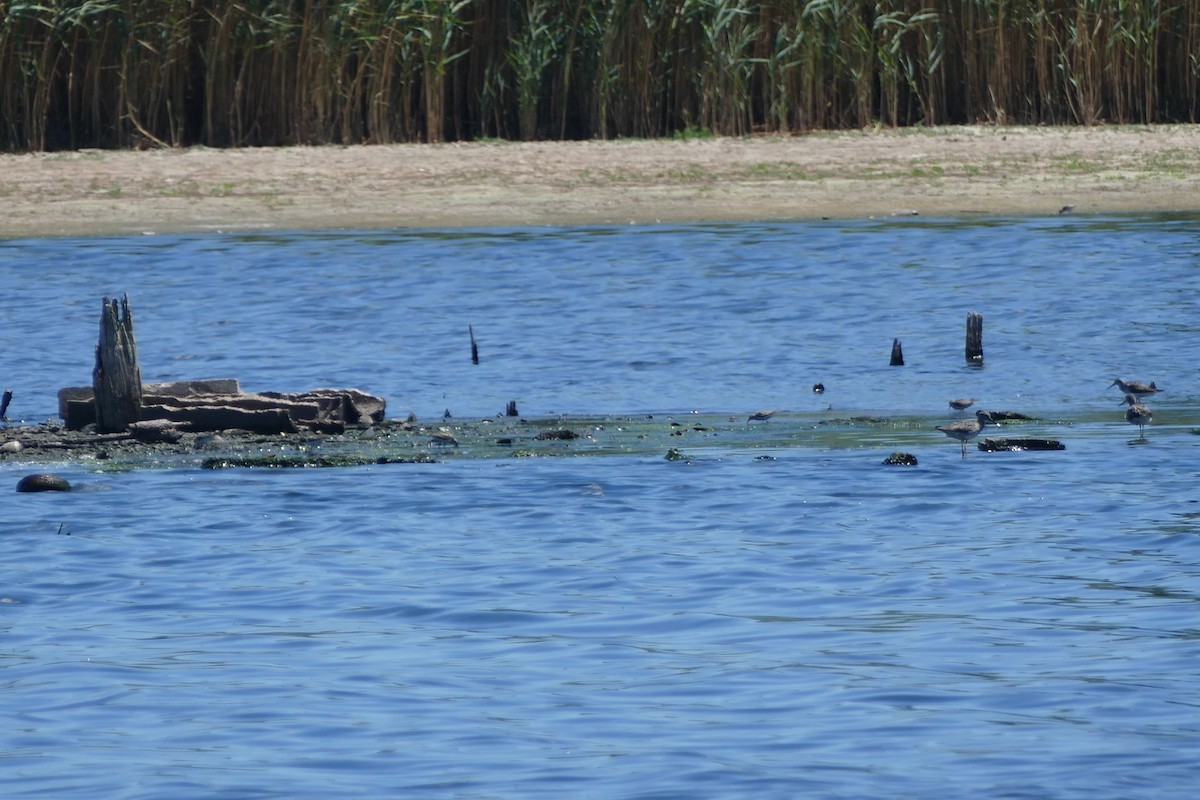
974 338
897 354
116 379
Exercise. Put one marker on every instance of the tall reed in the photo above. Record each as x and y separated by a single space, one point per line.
120 73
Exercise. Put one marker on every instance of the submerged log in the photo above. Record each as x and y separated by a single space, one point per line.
1014 445
116 379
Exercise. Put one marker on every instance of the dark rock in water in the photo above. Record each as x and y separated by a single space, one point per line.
675 455
901 460
1013 445
43 482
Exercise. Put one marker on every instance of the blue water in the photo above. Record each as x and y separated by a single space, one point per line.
783 622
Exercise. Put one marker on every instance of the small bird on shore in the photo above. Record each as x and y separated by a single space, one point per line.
762 415
962 403
1137 414
967 429
1136 388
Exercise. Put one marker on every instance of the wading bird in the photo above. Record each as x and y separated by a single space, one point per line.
967 429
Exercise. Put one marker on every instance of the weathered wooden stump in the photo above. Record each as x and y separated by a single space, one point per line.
511 409
974 338
897 354
474 346
116 379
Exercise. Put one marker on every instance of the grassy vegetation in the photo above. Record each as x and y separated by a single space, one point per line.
139 73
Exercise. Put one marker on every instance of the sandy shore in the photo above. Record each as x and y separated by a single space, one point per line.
940 172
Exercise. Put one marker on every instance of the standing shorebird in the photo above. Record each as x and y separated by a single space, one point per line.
1136 414
962 403
1136 388
967 429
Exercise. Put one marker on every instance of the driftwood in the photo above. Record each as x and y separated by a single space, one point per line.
215 405
116 379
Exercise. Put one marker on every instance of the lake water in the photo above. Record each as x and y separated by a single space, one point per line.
790 620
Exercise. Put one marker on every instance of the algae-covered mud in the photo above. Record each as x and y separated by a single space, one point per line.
673 436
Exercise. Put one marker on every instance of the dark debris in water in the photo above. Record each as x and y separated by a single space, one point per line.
1016 445
1011 416
558 434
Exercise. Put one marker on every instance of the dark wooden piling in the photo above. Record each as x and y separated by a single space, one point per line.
974 338
4 401
474 347
511 410
117 379
897 354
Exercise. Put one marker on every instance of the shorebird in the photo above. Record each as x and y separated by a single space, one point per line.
1136 388
761 415
1136 414
443 436
962 403
967 429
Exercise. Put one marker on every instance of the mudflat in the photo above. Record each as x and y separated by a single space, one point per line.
949 171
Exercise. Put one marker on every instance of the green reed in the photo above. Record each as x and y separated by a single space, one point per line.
121 73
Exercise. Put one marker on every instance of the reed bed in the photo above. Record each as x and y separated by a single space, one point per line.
122 73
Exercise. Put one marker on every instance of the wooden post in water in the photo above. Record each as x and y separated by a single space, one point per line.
117 379
897 354
511 410
975 338
474 347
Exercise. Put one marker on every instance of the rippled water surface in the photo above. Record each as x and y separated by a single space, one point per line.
781 621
